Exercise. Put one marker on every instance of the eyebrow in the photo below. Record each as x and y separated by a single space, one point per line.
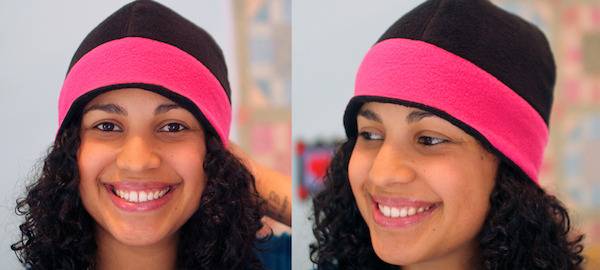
109 108
370 115
116 109
163 108
412 117
416 116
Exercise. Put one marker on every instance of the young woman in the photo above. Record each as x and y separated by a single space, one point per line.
446 134
140 175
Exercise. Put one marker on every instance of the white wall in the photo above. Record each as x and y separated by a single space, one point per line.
37 41
329 39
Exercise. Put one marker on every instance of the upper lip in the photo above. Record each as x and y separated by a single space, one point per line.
139 185
400 201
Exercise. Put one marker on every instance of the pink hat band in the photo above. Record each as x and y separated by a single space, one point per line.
138 60
421 73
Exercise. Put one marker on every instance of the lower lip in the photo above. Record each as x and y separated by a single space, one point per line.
140 206
400 222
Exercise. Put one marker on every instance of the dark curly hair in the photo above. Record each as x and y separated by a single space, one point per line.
525 228
58 233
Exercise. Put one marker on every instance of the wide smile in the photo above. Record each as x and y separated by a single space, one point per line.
399 213
141 196
135 197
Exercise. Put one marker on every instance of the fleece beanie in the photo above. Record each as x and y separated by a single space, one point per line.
147 45
477 66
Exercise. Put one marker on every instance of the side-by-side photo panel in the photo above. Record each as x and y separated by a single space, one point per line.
151 135
446 134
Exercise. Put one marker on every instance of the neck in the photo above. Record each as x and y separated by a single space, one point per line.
465 258
113 254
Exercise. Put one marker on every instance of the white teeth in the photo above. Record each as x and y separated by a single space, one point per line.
141 196
385 210
133 196
395 212
403 212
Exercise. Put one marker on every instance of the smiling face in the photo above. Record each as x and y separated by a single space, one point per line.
141 166
421 184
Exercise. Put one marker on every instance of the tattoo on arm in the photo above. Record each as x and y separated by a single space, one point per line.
274 198
278 205
284 205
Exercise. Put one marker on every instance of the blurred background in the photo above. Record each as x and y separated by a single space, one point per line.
38 39
331 37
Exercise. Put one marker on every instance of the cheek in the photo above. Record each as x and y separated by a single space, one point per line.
188 163
358 171
355 171
92 159
464 186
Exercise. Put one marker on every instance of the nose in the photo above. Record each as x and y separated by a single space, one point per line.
137 154
392 165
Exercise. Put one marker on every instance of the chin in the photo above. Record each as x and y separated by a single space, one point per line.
395 257
389 251
138 235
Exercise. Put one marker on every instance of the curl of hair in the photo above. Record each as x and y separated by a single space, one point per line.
58 233
525 227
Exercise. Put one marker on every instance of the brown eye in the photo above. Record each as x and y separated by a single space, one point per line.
173 127
108 127
430 141
370 136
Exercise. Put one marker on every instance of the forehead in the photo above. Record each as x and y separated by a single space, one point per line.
125 101
400 116
129 96
385 110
